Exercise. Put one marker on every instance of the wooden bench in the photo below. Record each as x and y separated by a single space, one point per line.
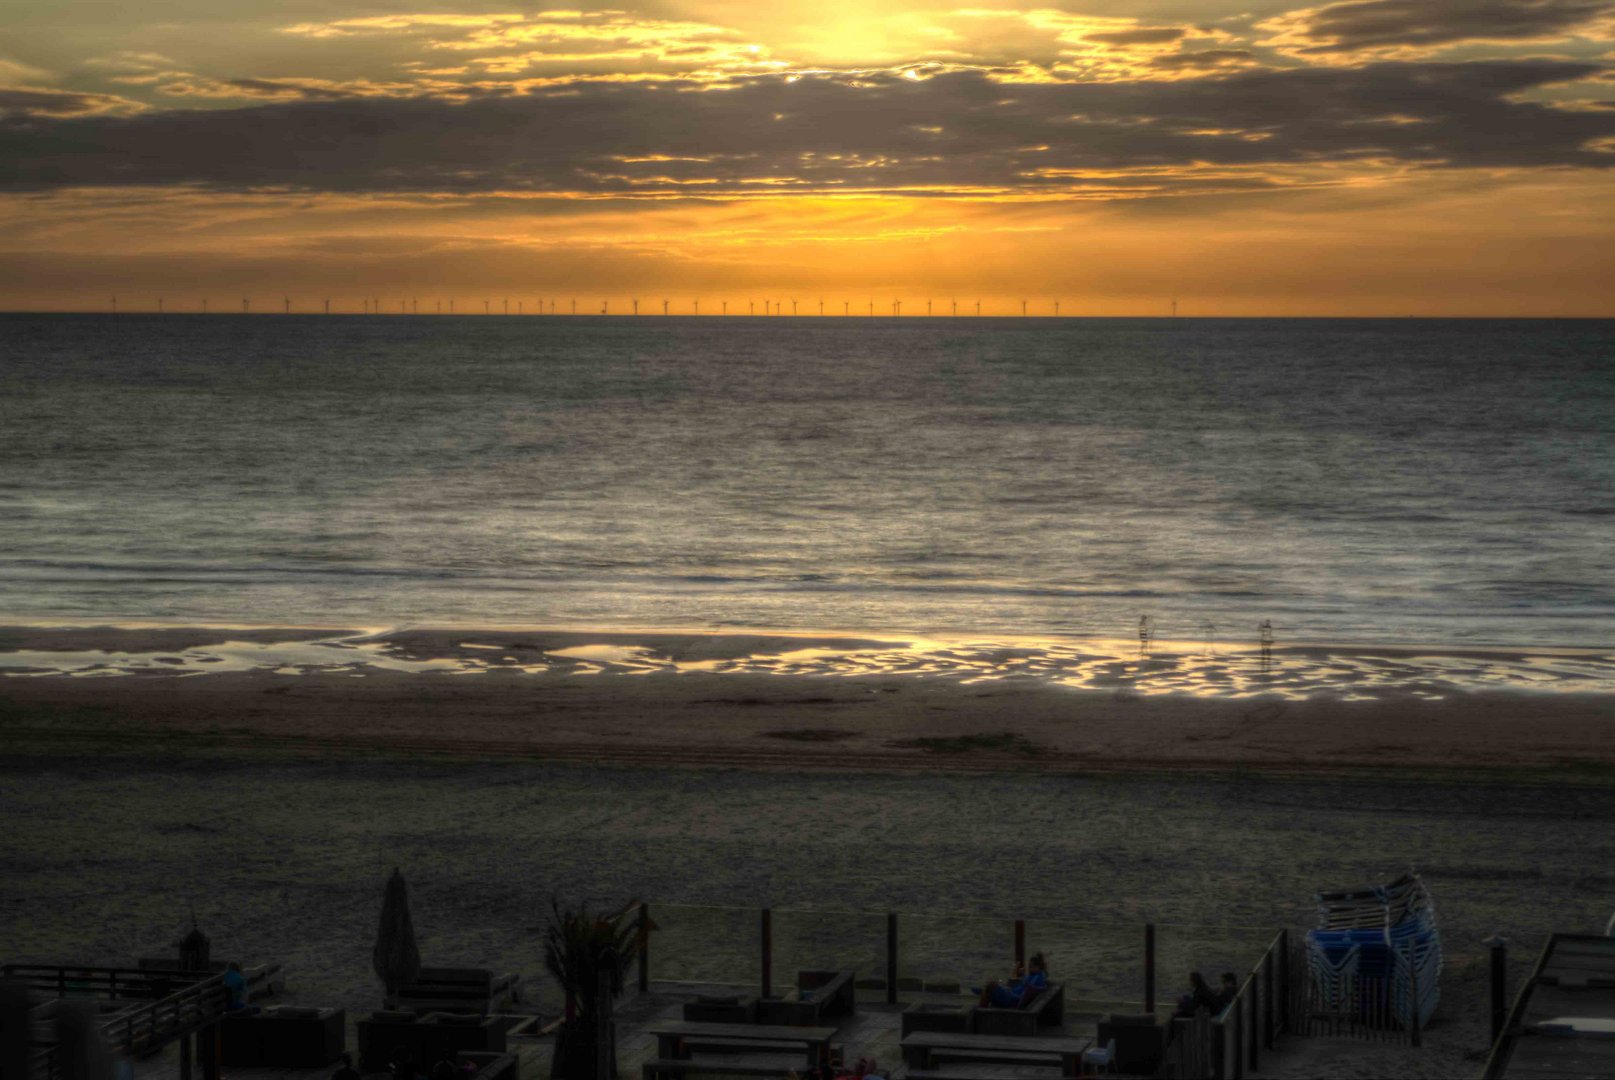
923 1048
818 994
457 989
1045 1010
662 1067
811 1044
951 1074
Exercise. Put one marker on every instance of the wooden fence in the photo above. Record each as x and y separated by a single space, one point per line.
1223 1047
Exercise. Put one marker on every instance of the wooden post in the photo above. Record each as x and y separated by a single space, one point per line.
891 958
1499 985
1219 1048
1020 945
644 948
1255 1020
1149 967
1238 1018
1267 1000
768 952
208 1044
185 1057
1288 1003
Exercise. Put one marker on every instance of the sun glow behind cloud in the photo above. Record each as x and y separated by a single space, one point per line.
1112 153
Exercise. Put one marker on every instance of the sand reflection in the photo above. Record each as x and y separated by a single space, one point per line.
1119 666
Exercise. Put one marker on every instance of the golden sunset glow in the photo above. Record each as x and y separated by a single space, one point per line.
1366 157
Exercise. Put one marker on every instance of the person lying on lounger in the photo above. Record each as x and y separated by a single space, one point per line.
1020 990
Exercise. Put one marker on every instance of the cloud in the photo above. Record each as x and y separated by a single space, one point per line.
1405 29
954 133
17 102
392 24
1154 35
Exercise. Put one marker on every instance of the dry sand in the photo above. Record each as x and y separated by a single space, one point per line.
276 803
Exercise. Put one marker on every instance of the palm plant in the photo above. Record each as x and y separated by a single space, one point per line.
588 955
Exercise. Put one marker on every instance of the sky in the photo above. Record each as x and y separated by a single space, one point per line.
1370 157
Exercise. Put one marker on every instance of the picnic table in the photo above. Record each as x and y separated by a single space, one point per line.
673 1038
923 1048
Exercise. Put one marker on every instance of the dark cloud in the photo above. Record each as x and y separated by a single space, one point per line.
25 101
1204 58
1156 35
1362 25
952 133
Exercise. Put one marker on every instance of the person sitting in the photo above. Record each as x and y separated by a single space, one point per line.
1021 990
1227 991
1200 996
235 989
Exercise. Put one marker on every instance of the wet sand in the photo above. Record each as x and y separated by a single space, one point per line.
778 702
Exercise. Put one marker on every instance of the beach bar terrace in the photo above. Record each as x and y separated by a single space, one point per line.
1562 1024
737 985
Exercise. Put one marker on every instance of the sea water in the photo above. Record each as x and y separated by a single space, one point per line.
1409 481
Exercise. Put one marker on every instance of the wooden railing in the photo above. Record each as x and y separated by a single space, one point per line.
148 1027
157 1012
1260 1012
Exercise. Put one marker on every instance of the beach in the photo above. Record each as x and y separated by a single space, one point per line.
275 800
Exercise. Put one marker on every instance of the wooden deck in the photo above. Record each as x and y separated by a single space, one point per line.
873 1031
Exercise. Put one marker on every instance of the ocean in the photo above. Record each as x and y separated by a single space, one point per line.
1443 482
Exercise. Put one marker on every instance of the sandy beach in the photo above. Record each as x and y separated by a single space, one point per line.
708 775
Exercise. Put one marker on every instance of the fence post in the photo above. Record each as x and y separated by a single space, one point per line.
1219 1047
1267 1001
1287 1012
1239 1037
185 1057
891 958
1020 945
1256 1020
1499 984
644 948
1149 967
768 952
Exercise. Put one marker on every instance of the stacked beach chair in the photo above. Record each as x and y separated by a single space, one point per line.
1375 958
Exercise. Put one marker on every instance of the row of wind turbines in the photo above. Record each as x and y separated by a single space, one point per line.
374 305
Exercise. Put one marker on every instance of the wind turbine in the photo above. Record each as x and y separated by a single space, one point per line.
159 305
328 305
793 307
928 308
246 305
288 305
846 308
636 305
978 308
204 305
1023 309
1057 309
955 304
698 307
821 307
664 307
114 305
